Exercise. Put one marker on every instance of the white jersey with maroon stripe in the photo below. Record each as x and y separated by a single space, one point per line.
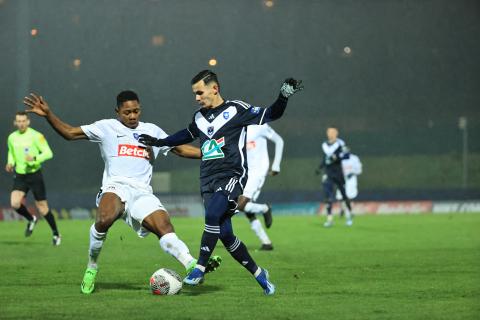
127 161
257 151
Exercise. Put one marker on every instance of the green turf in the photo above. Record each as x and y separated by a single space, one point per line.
385 267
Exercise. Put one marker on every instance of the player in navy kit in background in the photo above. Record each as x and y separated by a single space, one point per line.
221 126
334 151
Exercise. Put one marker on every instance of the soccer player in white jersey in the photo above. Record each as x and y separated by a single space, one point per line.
126 190
352 167
258 168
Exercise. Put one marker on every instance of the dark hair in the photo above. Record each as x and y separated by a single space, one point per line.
21 113
127 95
207 76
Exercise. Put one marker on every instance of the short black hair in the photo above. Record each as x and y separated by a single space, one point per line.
207 76
127 95
21 113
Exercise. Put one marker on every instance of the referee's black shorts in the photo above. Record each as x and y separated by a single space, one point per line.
33 181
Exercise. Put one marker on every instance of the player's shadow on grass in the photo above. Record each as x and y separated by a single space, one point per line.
118 286
202 289
20 242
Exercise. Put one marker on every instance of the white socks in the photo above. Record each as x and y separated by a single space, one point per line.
251 207
175 247
96 242
260 232
348 214
170 243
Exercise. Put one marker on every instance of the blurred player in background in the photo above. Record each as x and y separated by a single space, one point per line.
258 168
221 126
126 192
334 151
27 150
352 167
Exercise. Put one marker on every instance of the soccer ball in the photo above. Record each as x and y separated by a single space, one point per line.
165 282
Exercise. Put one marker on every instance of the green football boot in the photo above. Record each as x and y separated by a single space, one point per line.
212 264
88 283
191 266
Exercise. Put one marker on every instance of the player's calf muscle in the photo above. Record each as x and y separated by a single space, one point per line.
159 223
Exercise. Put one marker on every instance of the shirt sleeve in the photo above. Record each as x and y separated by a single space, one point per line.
11 158
193 129
95 132
356 164
271 135
160 134
248 114
45 153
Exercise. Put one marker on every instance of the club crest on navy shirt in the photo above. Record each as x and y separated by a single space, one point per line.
210 131
226 115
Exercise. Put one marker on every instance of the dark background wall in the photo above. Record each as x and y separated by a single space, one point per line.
397 96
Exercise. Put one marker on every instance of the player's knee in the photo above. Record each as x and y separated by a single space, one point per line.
104 222
15 204
43 209
212 220
227 239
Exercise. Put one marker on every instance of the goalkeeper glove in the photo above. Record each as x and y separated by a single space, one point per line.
290 86
151 141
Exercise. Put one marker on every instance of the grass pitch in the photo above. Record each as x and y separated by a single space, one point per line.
384 267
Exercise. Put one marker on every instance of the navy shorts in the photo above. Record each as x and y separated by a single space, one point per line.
33 181
229 186
330 185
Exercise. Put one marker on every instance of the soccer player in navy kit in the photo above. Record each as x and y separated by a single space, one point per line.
334 151
221 126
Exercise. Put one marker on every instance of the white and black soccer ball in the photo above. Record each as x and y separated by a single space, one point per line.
165 282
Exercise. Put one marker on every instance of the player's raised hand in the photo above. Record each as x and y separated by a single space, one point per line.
273 173
291 86
151 141
36 104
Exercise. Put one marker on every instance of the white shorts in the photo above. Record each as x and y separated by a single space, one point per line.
138 204
350 189
254 186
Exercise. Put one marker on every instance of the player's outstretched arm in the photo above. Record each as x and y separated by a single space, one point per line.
187 151
181 137
278 141
36 104
289 87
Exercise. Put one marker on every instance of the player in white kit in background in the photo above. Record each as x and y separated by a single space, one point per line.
352 167
126 192
258 168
